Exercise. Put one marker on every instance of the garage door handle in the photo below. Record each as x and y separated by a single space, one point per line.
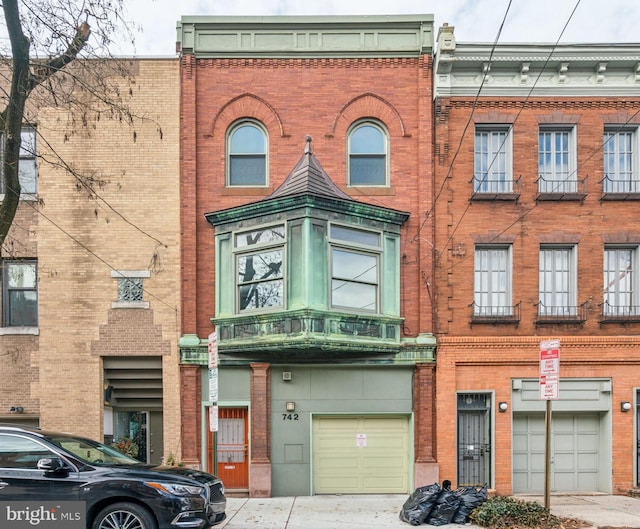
3 485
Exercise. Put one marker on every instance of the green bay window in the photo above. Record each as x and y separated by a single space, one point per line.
259 268
355 258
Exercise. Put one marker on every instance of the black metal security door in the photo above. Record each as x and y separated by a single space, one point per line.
474 439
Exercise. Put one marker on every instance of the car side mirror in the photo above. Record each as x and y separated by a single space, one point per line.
52 465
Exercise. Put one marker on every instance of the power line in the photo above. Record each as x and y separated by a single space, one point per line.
87 249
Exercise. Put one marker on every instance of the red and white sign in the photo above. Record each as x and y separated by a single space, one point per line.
549 369
213 350
213 418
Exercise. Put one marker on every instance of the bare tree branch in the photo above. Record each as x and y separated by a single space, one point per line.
56 64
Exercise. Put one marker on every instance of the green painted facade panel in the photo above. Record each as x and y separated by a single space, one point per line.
323 36
318 390
233 384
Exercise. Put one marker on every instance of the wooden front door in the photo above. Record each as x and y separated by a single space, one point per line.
232 448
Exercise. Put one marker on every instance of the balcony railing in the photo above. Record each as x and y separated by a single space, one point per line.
495 313
620 313
561 314
495 189
561 188
616 189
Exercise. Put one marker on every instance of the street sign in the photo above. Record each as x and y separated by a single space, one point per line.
549 369
213 385
213 418
549 387
213 350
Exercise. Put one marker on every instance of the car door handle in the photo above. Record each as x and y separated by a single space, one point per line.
3 484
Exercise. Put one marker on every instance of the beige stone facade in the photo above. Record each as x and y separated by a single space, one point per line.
84 240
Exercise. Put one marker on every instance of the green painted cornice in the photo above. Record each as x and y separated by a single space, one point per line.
297 202
305 36
284 350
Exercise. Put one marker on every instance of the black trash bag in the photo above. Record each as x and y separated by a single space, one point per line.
418 506
470 498
444 509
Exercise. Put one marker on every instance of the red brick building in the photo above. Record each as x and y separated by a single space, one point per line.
325 378
536 188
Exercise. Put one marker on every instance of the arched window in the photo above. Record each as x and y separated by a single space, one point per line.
247 155
368 160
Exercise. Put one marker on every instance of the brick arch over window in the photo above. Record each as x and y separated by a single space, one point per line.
248 106
622 116
368 106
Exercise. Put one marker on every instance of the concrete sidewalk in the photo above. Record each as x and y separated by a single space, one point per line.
381 511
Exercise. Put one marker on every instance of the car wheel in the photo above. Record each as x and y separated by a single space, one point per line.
124 515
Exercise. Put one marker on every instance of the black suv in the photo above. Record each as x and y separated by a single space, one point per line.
117 491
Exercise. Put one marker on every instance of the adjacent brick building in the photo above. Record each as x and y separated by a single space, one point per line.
91 267
536 189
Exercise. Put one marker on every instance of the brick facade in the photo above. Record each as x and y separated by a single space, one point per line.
295 95
78 237
491 357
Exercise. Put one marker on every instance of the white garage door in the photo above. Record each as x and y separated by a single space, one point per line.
353 455
574 449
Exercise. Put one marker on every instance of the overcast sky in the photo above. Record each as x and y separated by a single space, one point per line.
594 21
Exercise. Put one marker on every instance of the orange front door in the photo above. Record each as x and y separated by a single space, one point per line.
233 448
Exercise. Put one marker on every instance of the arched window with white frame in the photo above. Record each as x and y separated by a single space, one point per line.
247 150
368 152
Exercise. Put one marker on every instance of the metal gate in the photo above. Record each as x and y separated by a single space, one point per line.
232 448
474 439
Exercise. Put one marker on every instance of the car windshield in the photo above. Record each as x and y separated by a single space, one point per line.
92 452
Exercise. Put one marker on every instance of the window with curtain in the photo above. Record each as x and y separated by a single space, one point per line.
620 161
557 282
492 281
620 282
492 160
556 161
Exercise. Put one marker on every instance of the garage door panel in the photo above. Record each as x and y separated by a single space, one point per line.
563 464
588 462
339 463
575 453
564 442
588 442
356 454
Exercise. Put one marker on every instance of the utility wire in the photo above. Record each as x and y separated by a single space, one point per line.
522 107
87 249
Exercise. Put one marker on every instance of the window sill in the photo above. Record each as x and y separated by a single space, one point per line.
506 197
369 190
559 320
9 331
558 197
129 304
29 197
620 196
619 319
250 191
495 319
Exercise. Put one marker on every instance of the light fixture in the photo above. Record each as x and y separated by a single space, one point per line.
625 405
291 406
502 407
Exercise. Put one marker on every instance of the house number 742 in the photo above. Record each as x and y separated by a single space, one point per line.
289 416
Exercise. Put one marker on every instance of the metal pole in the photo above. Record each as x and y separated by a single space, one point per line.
547 457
